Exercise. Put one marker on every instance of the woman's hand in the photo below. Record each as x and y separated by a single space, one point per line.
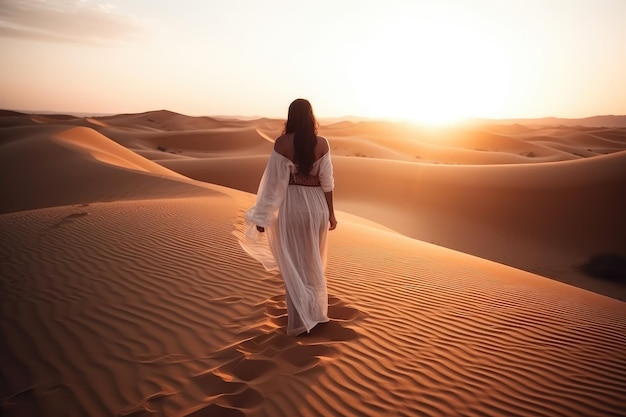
333 222
260 229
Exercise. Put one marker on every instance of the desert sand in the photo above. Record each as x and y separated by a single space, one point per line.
454 275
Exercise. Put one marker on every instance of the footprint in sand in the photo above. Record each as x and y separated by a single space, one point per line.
216 410
249 370
69 218
305 357
228 396
233 387
338 311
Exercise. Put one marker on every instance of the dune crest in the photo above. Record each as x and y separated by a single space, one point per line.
75 165
104 150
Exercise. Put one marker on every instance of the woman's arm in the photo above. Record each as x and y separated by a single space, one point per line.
331 210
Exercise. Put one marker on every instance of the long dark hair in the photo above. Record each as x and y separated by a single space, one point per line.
301 122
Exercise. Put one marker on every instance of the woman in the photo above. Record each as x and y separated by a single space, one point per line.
287 227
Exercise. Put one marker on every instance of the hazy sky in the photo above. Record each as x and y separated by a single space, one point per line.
415 59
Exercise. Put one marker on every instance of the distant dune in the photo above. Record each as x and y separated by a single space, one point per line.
593 121
456 283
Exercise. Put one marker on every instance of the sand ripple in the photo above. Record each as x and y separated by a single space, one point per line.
151 308
476 341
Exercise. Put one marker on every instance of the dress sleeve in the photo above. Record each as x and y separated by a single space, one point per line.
270 195
271 192
327 179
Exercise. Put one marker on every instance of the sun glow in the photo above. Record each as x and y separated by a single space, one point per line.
433 72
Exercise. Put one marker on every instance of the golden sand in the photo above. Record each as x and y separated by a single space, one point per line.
454 274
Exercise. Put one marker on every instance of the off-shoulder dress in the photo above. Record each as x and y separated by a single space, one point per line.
292 208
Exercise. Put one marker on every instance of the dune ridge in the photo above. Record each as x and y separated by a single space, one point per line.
124 291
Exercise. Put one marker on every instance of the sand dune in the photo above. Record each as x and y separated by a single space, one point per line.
535 216
125 292
169 322
523 215
475 146
584 143
63 165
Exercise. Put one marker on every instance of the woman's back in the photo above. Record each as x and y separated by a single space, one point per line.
284 145
297 213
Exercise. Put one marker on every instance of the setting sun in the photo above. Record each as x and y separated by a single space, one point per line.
436 71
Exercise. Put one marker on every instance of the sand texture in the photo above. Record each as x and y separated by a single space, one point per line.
454 276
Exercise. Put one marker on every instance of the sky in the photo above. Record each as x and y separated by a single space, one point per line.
425 61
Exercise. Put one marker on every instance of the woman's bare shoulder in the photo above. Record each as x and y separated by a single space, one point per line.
322 144
283 145
281 141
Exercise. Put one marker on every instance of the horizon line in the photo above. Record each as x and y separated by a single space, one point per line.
336 118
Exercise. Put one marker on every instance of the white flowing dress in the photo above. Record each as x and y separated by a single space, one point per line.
296 220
